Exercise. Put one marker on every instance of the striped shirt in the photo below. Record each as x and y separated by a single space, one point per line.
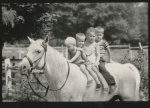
103 44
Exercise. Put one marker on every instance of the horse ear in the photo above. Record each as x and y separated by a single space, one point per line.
31 40
46 40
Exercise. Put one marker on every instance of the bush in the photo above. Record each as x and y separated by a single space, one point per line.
25 93
141 62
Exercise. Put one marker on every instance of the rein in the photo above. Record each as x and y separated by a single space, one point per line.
47 88
54 89
34 91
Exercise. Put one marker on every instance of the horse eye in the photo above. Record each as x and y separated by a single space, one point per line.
38 51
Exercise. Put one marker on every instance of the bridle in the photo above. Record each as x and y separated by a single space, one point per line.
30 71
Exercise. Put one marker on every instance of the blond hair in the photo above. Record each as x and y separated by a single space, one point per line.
70 41
90 30
80 36
99 29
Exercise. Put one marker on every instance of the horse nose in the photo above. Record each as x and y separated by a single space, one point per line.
24 64
24 67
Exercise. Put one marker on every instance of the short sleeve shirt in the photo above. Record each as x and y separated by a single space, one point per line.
103 44
90 52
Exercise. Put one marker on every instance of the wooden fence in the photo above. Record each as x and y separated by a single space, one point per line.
11 79
9 66
19 52
140 47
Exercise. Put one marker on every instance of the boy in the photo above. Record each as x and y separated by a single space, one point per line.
104 46
75 52
91 50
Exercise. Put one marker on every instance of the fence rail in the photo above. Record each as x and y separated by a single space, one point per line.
10 66
19 53
23 46
9 70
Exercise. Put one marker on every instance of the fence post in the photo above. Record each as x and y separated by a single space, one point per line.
8 75
19 53
130 52
5 45
140 46
62 48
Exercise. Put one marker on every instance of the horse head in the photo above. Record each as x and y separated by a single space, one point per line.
35 56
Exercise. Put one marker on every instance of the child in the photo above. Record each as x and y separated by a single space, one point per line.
104 46
92 53
75 54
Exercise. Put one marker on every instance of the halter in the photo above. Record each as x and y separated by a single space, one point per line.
31 63
47 88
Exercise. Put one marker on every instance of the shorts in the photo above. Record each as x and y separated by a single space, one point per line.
87 63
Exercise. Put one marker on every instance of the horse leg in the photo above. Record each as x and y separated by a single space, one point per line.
127 93
130 98
137 81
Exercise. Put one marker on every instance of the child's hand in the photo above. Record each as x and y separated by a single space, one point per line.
80 49
83 61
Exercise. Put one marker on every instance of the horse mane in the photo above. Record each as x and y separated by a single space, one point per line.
56 53
53 54
54 57
57 67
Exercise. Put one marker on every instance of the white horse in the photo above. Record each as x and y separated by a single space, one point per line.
71 82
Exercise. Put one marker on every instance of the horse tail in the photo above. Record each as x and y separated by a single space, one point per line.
137 76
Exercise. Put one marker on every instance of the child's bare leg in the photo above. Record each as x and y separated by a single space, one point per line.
101 78
94 76
83 69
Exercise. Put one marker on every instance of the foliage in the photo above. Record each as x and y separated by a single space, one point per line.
124 22
141 62
25 93
9 19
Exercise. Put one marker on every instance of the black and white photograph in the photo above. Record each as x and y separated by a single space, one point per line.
75 52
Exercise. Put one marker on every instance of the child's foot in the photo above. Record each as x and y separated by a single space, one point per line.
112 88
98 86
89 82
105 90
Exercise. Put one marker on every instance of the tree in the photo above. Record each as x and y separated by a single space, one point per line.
123 22
8 16
9 19
138 30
